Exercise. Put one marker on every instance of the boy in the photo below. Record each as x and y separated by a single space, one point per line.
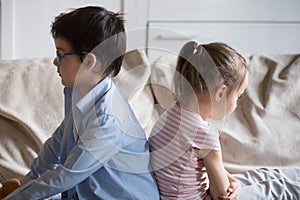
100 150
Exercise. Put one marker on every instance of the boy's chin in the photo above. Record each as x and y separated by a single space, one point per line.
66 84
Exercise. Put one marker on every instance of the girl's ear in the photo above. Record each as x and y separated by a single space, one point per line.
90 61
221 93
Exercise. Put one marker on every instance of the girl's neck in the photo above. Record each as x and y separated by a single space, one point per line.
200 105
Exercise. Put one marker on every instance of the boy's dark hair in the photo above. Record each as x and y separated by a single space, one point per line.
94 29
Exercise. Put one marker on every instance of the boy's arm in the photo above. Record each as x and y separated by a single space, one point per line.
48 157
217 175
61 178
86 157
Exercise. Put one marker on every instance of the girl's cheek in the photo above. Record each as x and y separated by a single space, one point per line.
234 106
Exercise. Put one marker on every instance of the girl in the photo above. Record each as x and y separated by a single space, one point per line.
209 80
185 149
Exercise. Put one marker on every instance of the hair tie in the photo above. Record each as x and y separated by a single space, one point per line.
196 45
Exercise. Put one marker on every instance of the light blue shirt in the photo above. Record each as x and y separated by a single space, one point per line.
108 160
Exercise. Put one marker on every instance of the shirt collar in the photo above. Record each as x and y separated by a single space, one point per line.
87 101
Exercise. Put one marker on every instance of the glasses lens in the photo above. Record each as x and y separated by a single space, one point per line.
58 59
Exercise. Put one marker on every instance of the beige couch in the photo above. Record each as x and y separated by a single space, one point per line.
263 131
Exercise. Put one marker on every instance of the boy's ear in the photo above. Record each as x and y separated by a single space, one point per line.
90 61
221 93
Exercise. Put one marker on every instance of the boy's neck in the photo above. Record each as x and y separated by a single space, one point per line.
90 84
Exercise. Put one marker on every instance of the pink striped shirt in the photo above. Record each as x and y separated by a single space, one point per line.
174 142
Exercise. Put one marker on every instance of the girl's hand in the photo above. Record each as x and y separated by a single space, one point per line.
234 189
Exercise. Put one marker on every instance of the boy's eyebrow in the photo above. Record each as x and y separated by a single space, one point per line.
58 48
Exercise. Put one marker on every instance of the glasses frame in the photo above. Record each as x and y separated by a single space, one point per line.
59 56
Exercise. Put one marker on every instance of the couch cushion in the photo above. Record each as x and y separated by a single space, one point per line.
163 70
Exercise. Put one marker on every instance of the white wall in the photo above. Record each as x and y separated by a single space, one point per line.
136 16
0 29
7 24
25 28
26 25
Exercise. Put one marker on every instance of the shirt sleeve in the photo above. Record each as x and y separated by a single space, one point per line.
207 138
48 157
96 146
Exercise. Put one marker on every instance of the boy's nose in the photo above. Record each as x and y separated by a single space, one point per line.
55 62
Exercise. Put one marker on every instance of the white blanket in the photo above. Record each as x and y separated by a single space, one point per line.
30 109
265 128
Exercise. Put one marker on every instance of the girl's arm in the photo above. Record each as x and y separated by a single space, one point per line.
217 175
234 189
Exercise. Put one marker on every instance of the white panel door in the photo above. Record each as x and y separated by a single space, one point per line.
270 38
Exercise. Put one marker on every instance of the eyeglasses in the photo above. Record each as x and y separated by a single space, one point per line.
59 56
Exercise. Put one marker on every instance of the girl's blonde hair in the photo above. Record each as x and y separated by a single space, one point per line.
207 66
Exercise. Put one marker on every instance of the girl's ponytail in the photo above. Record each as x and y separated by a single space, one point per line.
187 79
185 53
